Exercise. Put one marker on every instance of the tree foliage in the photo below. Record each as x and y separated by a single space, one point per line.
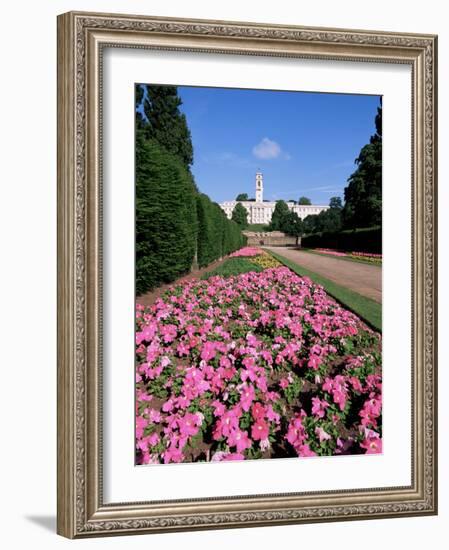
363 195
242 197
326 220
163 120
240 216
280 213
335 202
292 225
304 200
285 220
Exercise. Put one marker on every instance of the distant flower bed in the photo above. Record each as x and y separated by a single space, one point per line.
375 258
258 365
330 252
365 256
246 252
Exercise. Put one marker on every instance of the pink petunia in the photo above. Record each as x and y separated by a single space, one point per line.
373 445
258 411
322 434
259 430
319 407
247 396
239 439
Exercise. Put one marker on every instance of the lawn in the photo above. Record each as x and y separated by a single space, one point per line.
233 266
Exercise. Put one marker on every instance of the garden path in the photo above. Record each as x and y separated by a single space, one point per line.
362 278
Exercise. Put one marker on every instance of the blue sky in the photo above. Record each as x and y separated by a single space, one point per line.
304 143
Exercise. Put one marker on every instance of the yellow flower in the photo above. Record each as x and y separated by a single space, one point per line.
265 260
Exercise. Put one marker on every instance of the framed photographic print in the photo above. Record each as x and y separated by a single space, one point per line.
246 274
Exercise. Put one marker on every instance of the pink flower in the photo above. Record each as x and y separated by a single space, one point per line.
319 407
168 405
246 252
153 439
296 432
314 361
356 383
305 451
189 424
168 333
259 430
371 410
258 411
373 445
239 439
183 349
338 389
322 435
141 424
272 415
155 416
221 456
165 361
227 424
172 454
208 352
219 408
247 396
147 334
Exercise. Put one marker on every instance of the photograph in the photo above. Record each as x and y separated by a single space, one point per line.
258 274
247 273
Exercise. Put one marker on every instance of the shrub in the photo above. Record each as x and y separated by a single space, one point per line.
364 239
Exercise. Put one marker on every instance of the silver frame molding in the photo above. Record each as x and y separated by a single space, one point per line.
81 38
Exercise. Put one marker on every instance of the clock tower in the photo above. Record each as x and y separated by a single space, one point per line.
259 186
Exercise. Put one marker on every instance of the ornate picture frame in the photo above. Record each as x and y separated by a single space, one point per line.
82 38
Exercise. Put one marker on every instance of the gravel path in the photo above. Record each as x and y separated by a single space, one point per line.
362 278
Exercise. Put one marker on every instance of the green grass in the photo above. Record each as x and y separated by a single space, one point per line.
369 310
233 266
345 258
257 227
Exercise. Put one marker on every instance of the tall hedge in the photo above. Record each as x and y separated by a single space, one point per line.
177 228
217 236
360 240
166 220
233 238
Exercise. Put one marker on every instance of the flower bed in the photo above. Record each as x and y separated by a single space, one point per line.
330 252
265 260
246 252
364 256
260 365
367 257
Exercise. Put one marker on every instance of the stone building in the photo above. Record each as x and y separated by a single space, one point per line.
260 211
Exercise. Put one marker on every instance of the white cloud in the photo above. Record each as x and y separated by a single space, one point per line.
268 149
